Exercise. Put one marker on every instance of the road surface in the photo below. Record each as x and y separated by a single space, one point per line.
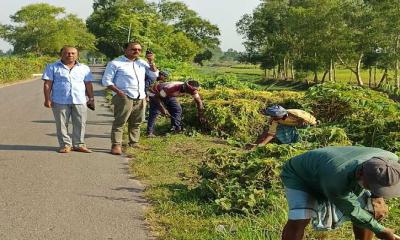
48 195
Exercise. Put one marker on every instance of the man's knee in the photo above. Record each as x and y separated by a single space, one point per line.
294 229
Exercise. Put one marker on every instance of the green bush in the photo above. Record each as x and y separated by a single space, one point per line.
227 80
249 182
236 113
20 68
369 117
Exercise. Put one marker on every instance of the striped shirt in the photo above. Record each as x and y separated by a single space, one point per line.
171 89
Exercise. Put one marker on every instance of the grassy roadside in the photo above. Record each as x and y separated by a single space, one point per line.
168 169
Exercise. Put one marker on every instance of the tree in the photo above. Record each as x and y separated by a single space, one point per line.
230 55
204 56
113 22
43 29
199 30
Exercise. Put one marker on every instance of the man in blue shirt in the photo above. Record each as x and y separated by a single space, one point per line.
125 76
66 83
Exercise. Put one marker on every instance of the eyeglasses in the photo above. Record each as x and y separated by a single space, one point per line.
137 49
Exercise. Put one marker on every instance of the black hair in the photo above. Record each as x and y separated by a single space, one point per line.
193 83
68 46
126 45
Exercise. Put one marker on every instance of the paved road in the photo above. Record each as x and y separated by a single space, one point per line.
47 195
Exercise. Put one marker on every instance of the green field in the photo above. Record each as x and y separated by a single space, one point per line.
173 168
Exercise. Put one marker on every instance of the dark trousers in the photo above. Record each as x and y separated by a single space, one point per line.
173 107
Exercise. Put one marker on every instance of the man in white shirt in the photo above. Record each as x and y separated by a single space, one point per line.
125 76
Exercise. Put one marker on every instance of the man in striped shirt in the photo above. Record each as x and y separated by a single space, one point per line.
163 99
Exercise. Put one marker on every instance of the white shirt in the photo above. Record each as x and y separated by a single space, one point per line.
128 76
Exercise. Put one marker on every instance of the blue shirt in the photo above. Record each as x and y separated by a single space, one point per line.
68 84
128 76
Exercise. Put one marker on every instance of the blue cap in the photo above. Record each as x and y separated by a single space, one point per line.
164 73
275 111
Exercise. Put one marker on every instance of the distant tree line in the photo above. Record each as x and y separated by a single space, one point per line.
291 37
170 29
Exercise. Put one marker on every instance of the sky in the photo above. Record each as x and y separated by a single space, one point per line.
223 13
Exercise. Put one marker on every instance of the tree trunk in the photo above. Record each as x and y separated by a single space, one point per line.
279 71
284 68
397 74
315 76
292 71
334 72
323 77
375 76
370 77
384 77
330 70
356 71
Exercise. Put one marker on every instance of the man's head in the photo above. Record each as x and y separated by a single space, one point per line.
69 54
381 177
276 112
191 86
162 75
132 50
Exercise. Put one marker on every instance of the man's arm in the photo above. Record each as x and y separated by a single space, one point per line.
163 110
89 92
47 86
150 60
116 90
200 107
350 207
266 136
108 77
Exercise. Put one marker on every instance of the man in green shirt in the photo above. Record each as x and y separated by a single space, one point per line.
339 175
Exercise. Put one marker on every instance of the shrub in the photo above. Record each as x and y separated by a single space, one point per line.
369 117
236 113
20 68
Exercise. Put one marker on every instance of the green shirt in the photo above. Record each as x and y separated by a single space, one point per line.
329 174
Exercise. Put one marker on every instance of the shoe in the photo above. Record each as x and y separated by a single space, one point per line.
175 130
151 135
138 146
65 149
116 149
82 149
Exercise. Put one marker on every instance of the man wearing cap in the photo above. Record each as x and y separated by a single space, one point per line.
340 175
163 97
283 125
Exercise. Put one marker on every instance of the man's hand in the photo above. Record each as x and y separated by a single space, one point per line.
201 118
250 146
47 103
164 112
121 93
90 104
381 210
387 234
150 58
